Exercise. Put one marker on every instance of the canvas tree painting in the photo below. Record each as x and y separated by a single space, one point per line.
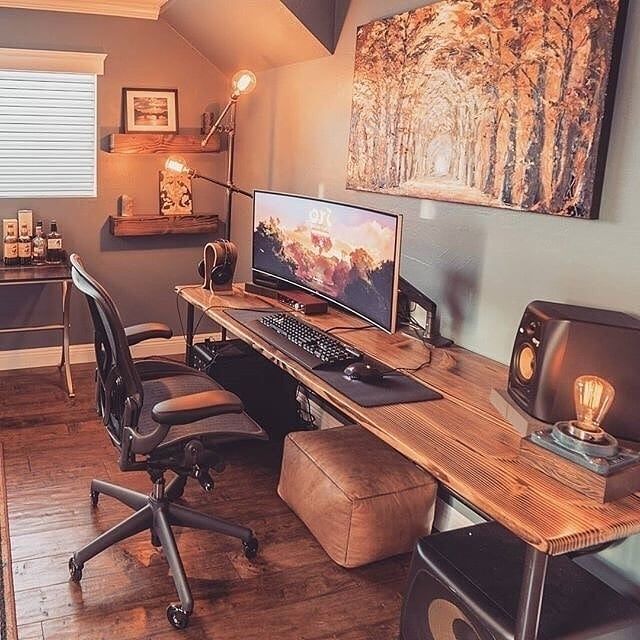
501 103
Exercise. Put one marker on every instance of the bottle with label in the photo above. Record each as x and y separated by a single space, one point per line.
24 246
11 248
39 246
54 245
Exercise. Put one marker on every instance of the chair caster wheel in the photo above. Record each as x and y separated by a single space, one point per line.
155 541
75 570
250 548
177 616
94 498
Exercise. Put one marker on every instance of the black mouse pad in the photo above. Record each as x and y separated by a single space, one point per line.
395 387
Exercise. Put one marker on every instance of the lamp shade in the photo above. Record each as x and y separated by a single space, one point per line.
243 82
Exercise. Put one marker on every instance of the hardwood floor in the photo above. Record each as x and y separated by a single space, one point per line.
292 591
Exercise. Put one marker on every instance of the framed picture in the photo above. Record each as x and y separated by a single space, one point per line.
150 110
504 104
175 194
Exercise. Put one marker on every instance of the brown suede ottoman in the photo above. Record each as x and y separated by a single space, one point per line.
361 499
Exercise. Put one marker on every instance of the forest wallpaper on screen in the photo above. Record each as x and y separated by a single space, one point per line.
491 102
355 268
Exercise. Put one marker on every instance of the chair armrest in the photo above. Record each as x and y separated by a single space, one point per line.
139 332
196 406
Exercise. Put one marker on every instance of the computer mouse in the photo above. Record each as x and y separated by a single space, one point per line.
364 372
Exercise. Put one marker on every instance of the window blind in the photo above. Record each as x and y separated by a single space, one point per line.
47 134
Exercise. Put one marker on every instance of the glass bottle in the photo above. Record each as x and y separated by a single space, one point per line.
54 245
39 246
24 246
11 248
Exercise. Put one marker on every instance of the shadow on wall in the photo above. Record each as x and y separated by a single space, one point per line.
444 258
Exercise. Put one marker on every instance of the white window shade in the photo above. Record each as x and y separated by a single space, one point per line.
47 134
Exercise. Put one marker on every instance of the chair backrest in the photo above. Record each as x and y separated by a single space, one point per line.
119 388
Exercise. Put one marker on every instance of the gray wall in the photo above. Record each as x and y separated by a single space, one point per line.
140 273
481 265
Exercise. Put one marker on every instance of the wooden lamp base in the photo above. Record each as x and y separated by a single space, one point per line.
599 487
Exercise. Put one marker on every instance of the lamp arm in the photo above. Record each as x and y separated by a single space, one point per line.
216 125
226 185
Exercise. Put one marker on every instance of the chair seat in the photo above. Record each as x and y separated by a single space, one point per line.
223 428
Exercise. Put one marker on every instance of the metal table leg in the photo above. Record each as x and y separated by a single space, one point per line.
65 361
533 579
189 336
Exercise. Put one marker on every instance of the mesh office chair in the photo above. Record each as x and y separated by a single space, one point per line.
160 415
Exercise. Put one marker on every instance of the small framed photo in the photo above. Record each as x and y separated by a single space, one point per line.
150 110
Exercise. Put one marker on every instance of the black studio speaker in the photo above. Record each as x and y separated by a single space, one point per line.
555 343
465 585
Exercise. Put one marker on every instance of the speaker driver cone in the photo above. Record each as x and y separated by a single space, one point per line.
447 622
525 363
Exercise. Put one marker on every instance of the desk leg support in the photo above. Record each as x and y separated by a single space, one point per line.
532 590
189 336
65 362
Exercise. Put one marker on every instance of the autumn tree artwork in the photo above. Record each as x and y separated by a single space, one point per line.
501 103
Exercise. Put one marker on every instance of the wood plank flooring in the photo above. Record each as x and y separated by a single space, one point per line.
54 446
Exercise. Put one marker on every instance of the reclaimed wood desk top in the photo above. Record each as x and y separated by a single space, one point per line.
461 440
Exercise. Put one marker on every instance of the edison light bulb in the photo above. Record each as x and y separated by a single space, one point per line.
176 164
593 397
243 82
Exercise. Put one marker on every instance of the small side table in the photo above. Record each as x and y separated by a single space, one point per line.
46 274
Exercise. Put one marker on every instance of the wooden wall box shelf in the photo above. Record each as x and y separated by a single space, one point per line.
130 226
600 488
161 143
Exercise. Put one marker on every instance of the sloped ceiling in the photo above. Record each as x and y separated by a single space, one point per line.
255 34
128 8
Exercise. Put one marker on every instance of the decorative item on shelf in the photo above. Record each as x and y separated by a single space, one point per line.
208 120
218 266
586 456
126 205
175 193
242 83
150 110
178 166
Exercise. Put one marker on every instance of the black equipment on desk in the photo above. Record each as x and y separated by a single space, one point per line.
327 350
465 585
407 295
556 343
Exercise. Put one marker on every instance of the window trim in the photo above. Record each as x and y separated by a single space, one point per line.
57 61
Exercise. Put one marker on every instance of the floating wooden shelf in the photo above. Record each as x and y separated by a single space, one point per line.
129 226
161 143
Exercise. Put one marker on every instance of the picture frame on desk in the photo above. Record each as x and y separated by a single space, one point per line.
150 110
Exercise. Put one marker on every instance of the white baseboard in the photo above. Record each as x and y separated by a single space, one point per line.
50 356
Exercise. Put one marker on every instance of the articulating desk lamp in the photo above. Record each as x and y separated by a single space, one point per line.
243 82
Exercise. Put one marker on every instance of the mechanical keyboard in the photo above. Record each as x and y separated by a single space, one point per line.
327 350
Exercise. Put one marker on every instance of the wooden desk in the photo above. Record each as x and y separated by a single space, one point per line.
461 440
46 274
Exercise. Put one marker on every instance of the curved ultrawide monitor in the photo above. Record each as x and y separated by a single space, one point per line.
349 255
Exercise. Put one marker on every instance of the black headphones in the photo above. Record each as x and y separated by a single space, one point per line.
222 272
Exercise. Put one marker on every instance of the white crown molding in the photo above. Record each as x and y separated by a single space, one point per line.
147 9
50 356
62 61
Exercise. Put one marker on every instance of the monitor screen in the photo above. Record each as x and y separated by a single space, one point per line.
347 254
